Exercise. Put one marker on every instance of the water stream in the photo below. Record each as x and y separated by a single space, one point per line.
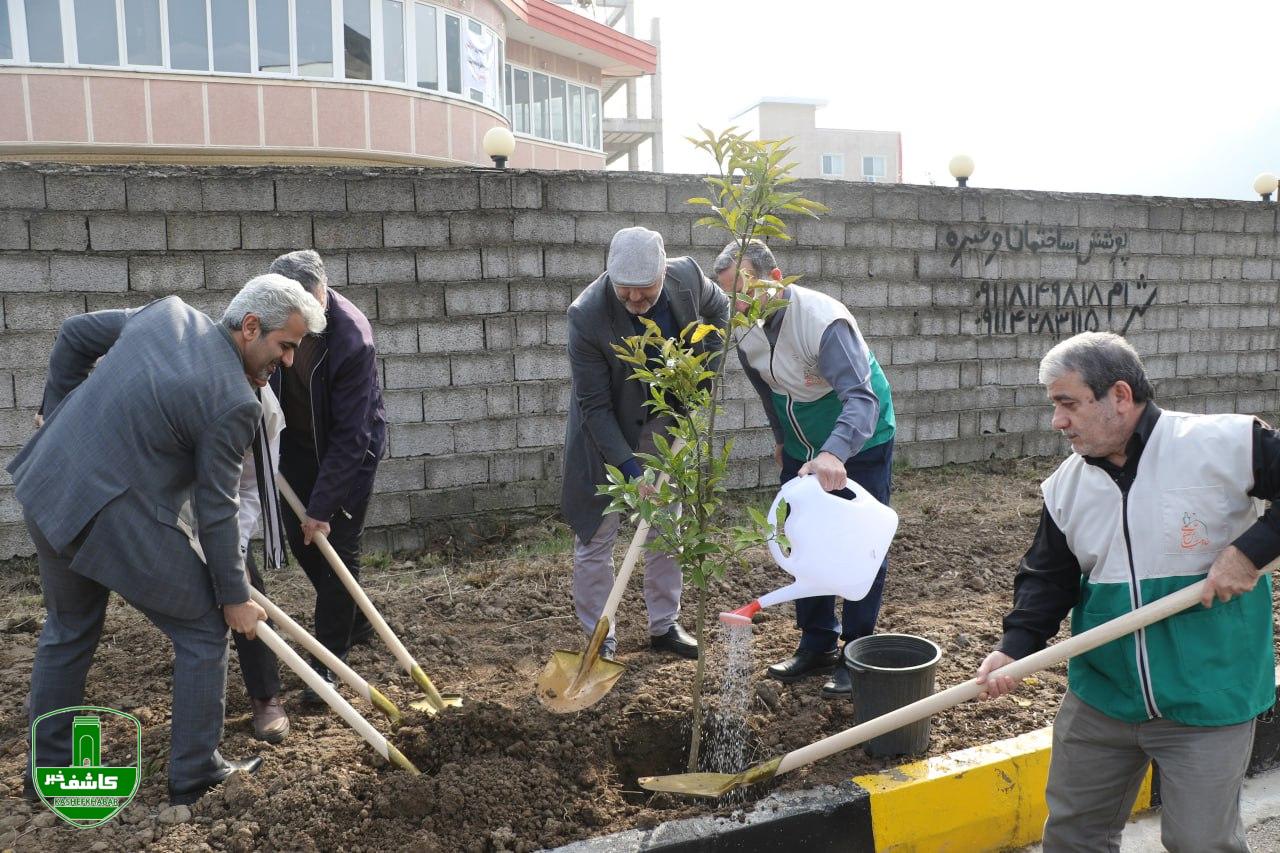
729 746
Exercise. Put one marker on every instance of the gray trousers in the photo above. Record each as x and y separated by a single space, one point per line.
76 607
593 571
1098 764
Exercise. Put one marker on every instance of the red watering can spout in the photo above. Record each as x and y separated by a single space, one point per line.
741 616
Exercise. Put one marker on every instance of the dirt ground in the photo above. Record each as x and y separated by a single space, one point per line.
502 773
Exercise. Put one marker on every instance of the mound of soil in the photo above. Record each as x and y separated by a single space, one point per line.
502 773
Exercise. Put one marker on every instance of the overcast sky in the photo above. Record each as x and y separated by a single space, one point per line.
1126 96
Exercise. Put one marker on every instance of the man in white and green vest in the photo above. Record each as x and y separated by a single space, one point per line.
1148 503
830 408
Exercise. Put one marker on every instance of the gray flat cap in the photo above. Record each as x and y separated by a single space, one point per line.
636 257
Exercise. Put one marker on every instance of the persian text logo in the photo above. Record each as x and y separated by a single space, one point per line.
87 791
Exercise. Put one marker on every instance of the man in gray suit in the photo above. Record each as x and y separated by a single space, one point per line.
608 421
130 485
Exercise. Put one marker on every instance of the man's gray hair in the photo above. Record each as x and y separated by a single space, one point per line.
757 253
1102 359
274 298
304 267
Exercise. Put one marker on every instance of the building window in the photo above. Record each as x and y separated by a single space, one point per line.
593 120
453 54
357 39
96 42
873 169
520 103
188 37
559 110
273 36
44 31
230 35
142 35
575 115
425 40
832 165
541 96
314 26
393 40
6 34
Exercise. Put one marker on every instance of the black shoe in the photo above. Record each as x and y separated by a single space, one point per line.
29 790
802 664
188 794
607 653
677 641
838 686
309 696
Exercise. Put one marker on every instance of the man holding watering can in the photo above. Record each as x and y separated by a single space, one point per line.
1149 502
831 411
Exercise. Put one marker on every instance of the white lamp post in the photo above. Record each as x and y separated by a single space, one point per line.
499 144
1264 185
961 167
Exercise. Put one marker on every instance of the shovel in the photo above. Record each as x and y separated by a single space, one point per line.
719 784
571 681
333 699
326 657
837 545
434 701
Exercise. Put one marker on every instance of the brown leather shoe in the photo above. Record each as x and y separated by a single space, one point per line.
270 723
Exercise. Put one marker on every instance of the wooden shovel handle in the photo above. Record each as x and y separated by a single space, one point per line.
1050 656
348 580
633 555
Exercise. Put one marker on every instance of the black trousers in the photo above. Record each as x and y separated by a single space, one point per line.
335 613
258 663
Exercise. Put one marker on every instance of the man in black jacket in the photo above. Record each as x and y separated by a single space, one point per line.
335 433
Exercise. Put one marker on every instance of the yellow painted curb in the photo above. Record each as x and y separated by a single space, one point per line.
986 798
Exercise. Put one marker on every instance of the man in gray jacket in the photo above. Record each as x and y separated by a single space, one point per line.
130 485
608 421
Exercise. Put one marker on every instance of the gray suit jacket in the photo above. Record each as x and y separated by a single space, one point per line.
606 409
155 432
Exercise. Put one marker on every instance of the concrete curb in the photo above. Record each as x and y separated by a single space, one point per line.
985 798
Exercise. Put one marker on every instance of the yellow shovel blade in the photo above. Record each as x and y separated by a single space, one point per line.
558 691
449 700
711 784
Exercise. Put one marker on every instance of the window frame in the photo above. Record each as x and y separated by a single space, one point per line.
837 159
586 89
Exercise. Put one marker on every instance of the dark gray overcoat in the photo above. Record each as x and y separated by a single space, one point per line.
606 409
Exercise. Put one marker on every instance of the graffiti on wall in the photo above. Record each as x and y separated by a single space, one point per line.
991 239
1061 308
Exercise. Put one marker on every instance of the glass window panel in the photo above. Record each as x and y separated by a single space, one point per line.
480 68
425 41
273 36
541 94
142 32
873 167
231 35
501 82
593 119
559 111
6 34
44 31
506 101
520 100
393 40
357 39
315 38
575 115
96 35
453 54
188 38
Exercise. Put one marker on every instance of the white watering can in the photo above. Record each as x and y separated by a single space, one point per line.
837 545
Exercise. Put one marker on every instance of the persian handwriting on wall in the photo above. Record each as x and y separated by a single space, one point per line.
1060 308
1022 238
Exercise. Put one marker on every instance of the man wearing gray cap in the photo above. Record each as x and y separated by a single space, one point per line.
608 421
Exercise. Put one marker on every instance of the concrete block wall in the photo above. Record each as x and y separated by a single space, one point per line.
466 276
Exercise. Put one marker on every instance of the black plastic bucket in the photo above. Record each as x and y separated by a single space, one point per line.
888 671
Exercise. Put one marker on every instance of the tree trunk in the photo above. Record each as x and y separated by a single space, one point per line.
695 743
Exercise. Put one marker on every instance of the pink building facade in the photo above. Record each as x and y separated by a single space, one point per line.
375 82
